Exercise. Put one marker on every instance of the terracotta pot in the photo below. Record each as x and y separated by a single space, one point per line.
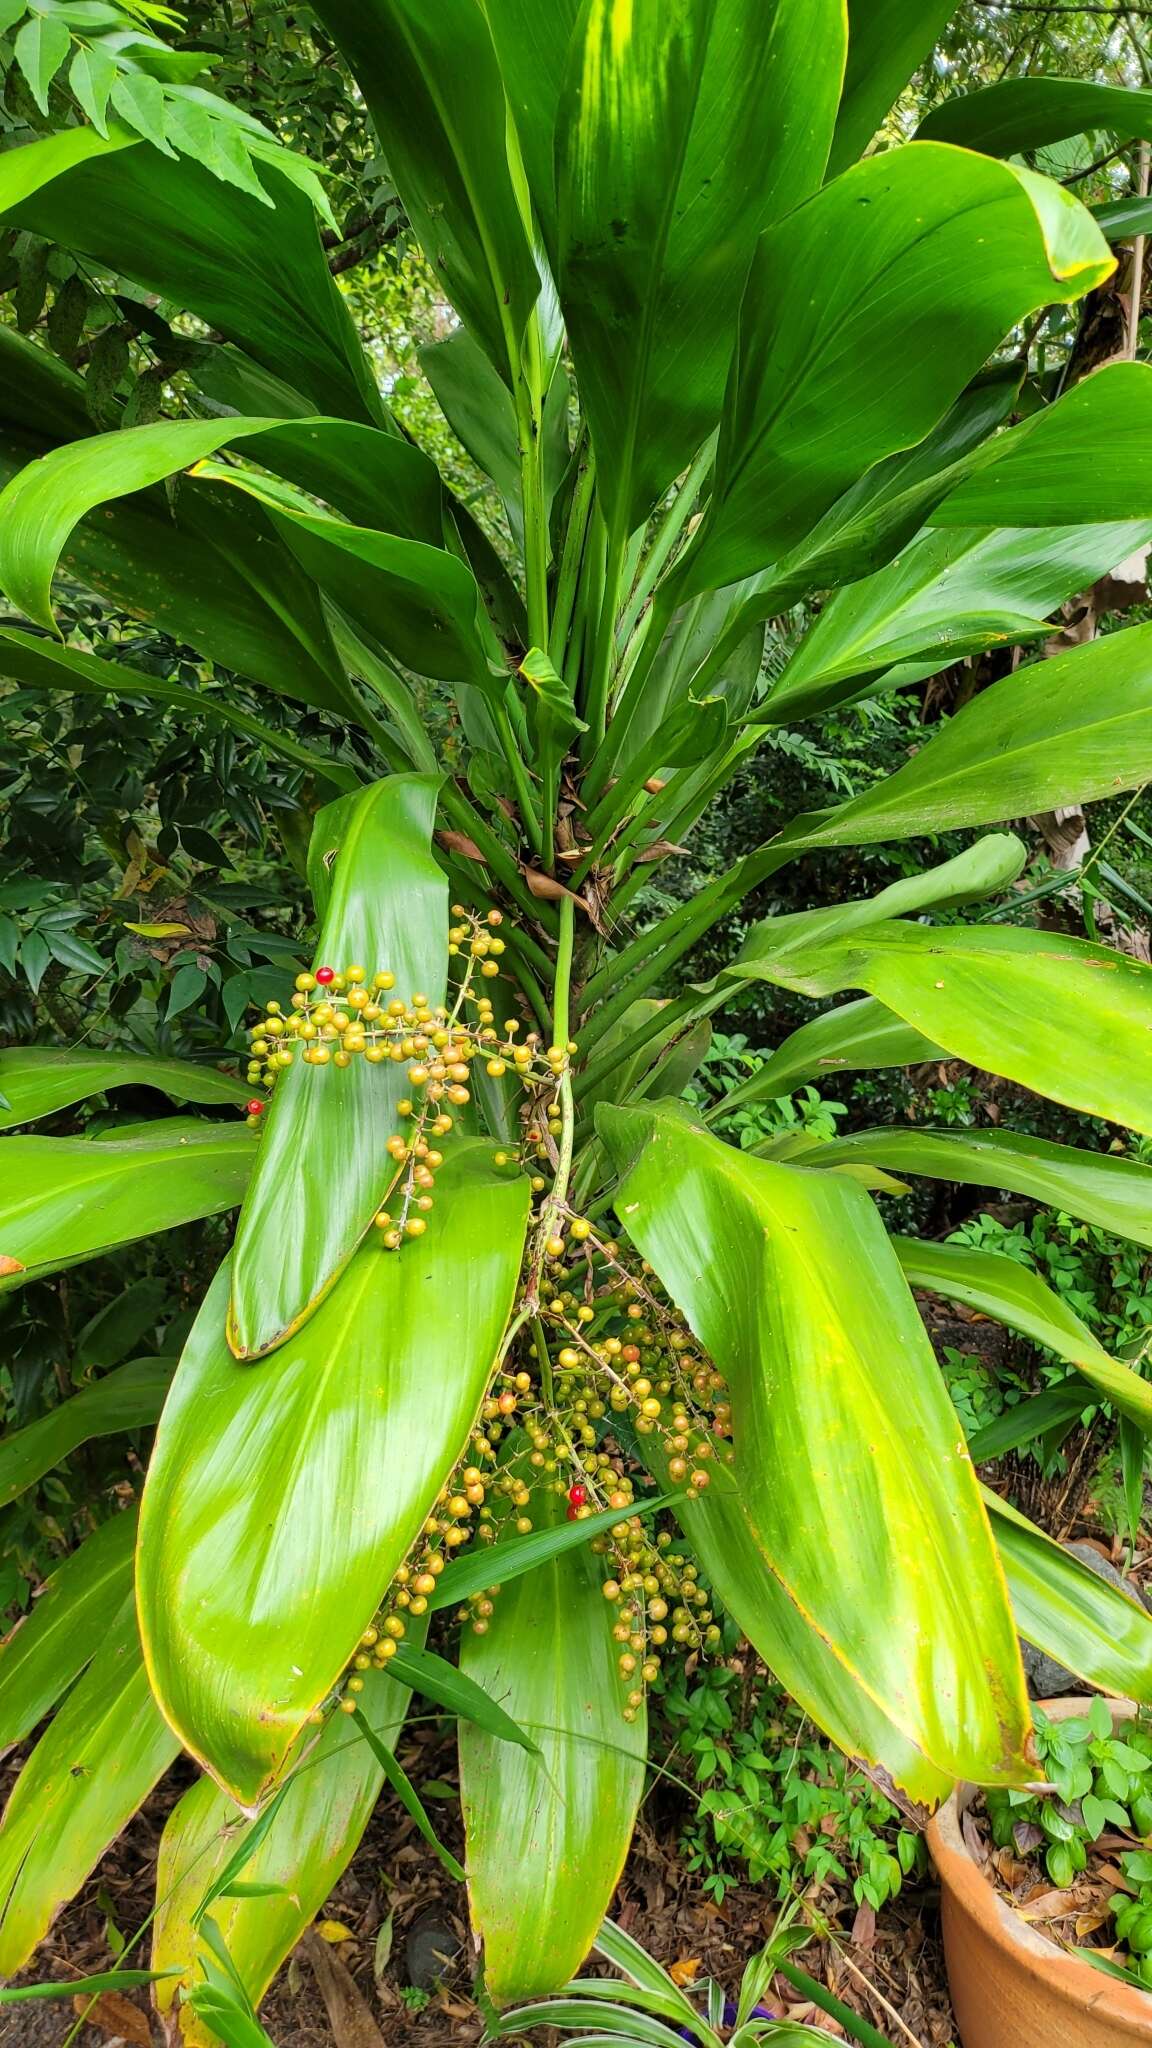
1011 1987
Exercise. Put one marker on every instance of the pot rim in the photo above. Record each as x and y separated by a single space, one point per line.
1033 1954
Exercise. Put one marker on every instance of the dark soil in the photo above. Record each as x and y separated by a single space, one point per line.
897 1960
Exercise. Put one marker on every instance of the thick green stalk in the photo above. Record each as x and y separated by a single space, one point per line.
468 820
603 761
568 579
524 796
595 707
686 1010
676 824
676 516
857 2029
648 958
529 408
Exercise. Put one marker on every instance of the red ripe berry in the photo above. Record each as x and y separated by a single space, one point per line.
577 1495
254 1108
324 975
572 1515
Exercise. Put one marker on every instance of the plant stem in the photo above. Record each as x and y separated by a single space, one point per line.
500 861
604 649
530 400
519 774
570 560
552 1209
856 2028
665 538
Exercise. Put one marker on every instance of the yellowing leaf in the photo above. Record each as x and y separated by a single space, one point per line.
334 1931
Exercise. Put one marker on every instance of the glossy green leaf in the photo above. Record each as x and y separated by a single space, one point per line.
667 171
433 90
887 39
1002 1287
948 594
422 603
63 1629
24 170
44 502
1059 731
1098 1187
266 1544
849 1039
1049 1415
927 256
41 664
981 870
1028 113
479 408
91 76
547 1835
1047 470
385 905
436 1679
314 1833
788 1280
131 1397
1070 1613
66 1199
37 1081
85 1778
1071 1020
163 223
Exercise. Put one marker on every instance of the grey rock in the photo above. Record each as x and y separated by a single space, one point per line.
1048 1680
431 1950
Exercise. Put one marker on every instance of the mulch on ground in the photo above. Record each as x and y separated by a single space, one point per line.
396 1876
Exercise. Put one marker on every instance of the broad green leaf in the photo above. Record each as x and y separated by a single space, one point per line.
163 223
37 1081
85 1778
849 1039
479 408
927 256
887 39
1075 727
436 1679
1069 1613
41 664
1098 1187
228 588
131 1397
433 90
789 1282
667 171
328 1800
547 1835
982 870
422 603
1002 1287
946 595
40 48
24 170
64 1628
1028 113
1047 470
1071 1020
45 501
1048 1415
267 1543
385 907
67 1199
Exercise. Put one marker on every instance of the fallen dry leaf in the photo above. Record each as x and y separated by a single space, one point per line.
548 889
684 1971
351 2021
864 1926
334 1931
116 2016
459 842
